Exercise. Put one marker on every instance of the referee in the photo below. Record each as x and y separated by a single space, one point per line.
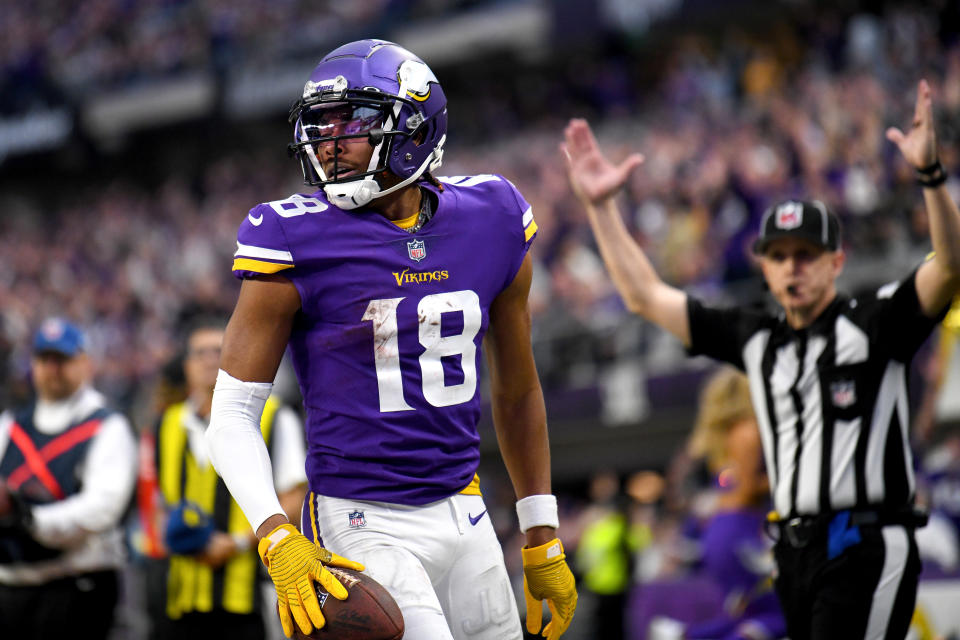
828 379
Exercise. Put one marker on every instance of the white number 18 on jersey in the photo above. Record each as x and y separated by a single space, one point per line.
430 310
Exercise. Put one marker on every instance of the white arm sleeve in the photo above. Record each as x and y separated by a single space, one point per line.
237 449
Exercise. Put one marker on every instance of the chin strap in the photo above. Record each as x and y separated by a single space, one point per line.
357 193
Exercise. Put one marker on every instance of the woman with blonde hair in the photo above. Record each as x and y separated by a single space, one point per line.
734 553
726 438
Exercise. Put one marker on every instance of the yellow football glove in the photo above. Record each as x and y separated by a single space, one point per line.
294 564
546 576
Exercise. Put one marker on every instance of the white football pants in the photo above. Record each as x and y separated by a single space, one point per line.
441 562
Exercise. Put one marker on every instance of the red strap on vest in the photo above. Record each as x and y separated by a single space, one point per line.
147 501
35 462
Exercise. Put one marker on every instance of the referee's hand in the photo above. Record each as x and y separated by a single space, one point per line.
919 144
593 177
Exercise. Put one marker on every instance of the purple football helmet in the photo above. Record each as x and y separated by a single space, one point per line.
376 90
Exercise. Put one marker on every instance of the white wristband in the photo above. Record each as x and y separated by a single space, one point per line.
537 511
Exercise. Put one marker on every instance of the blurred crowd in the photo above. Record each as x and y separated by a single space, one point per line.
53 52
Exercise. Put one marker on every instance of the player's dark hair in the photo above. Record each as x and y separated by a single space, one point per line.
429 178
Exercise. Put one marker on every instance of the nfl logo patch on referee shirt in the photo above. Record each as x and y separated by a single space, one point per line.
357 520
844 393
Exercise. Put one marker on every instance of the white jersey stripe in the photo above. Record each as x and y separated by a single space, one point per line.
896 549
808 481
903 414
752 358
250 251
890 387
527 217
852 346
784 374
843 480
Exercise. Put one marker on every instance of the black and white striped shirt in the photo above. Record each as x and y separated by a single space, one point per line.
831 399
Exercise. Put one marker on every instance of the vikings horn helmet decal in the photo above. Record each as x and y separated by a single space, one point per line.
376 90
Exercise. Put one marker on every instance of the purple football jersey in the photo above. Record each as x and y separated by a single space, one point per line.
735 552
386 346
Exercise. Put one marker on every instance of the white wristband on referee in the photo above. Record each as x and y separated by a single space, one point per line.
537 511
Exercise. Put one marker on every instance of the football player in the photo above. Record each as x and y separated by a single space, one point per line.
384 283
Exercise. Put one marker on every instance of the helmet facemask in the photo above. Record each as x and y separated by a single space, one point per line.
393 101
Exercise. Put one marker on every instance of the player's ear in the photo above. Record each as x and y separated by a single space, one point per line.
839 259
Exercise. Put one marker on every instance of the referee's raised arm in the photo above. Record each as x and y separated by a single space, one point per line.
938 279
596 182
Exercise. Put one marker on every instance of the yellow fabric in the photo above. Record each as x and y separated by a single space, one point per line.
190 583
172 439
546 576
529 230
603 555
294 564
472 489
313 516
952 320
406 223
921 626
259 266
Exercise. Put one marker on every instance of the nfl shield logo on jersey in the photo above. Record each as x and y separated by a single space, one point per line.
844 393
416 250
357 520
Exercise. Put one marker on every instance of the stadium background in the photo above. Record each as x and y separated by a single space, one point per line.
134 135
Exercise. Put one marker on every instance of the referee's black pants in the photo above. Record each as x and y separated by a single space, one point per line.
76 607
867 589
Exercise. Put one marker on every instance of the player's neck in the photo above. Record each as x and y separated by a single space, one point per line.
399 205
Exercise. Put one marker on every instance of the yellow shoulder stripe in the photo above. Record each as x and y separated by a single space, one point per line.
530 230
259 266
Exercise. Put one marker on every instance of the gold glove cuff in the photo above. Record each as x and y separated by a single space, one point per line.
546 553
269 541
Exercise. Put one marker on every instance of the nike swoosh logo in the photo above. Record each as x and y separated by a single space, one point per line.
475 519
255 221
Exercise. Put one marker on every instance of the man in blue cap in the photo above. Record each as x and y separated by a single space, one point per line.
67 471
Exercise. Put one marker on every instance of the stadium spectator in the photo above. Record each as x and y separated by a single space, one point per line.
734 553
211 580
373 282
67 471
828 379
726 577
604 555
936 436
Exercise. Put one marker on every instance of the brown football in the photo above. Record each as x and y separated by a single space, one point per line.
368 613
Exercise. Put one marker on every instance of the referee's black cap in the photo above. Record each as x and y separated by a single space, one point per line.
807 219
